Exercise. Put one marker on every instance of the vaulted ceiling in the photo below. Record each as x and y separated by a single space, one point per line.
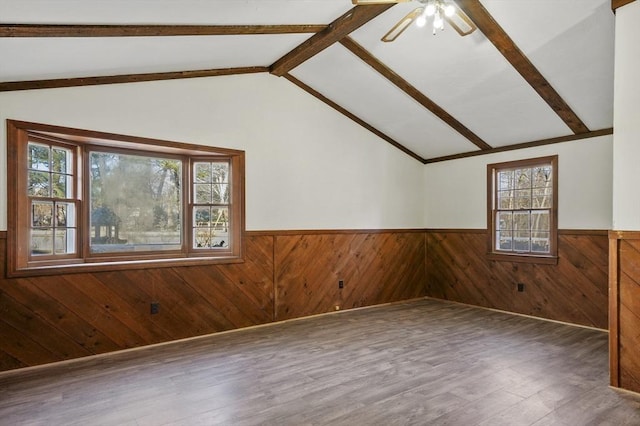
536 71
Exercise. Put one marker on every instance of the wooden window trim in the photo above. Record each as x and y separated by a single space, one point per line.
492 253
19 133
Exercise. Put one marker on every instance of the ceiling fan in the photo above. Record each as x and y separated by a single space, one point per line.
436 11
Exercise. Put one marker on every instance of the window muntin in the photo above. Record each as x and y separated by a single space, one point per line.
522 213
147 196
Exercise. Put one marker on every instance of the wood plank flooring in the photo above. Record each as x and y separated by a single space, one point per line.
424 362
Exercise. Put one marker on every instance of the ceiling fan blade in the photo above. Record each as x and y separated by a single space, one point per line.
461 23
365 2
402 25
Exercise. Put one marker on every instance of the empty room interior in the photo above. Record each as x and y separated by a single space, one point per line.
309 212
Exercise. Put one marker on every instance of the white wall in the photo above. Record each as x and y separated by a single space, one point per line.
457 190
626 120
308 167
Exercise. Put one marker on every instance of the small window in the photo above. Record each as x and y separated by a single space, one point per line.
52 200
87 200
522 210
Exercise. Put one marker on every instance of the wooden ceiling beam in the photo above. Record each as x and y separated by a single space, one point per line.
37 30
494 32
524 145
619 3
124 78
410 90
351 116
341 27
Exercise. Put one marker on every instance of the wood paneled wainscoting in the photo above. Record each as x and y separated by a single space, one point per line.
574 291
624 309
285 275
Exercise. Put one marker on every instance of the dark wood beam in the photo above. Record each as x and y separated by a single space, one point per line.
124 78
494 32
410 90
341 27
36 30
353 117
619 3
569 138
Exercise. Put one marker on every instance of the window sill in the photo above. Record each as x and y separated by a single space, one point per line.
523 258
77 268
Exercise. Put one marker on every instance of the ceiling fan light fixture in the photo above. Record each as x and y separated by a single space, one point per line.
449 10
430 9
438 10
438 23
434 11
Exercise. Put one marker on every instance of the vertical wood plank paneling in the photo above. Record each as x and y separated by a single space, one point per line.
614 319
624 337
574 290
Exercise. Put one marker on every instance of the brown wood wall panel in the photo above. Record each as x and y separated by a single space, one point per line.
375 267
54 318
574 290
289 274
625 310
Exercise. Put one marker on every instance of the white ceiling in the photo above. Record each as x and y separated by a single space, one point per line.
569 41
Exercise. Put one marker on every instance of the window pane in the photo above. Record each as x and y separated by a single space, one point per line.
540 221
61 160
65 241
542 177
202 193
61 215
505 221
59 186
135 203
504 240
540 242
505 180
38 157
41 214
212 227
220 220
202 217
521 221
521 241
542 198
203 172
38 185
505 200
523 178
523 199
42 241
211 183
220 193
202 238
220 172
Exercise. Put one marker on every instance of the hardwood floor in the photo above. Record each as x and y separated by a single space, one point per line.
424 362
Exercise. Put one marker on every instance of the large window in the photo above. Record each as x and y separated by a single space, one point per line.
522 213
89 201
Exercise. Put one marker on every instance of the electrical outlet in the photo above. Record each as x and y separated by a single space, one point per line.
155 308
340 283
520 287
